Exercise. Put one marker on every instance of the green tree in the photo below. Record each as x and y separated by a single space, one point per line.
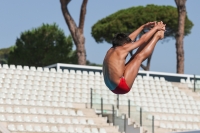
4 53
43 46
92 64
128 20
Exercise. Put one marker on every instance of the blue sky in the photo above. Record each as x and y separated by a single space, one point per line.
18 16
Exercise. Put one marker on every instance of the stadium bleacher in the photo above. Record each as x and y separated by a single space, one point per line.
33 100
173 109
49 100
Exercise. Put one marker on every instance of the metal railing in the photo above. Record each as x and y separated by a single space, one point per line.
196 83
134 112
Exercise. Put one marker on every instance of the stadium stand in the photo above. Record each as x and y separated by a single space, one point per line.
37 100
173 109
57 98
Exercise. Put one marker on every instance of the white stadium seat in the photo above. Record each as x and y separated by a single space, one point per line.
79 130
49 100
2 118
62 129
70 130
29 128
20 128
45 128
43 119
67 121
37 128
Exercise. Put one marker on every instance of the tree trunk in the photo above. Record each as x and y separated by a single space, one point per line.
80 49
180 35
76 32
147 67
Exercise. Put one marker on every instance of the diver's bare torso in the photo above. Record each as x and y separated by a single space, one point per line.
118 76
114 66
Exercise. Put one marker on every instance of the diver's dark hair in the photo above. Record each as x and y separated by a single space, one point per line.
120 39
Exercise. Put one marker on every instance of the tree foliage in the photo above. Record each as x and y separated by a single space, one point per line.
128 20
4 53
92 64
43 46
